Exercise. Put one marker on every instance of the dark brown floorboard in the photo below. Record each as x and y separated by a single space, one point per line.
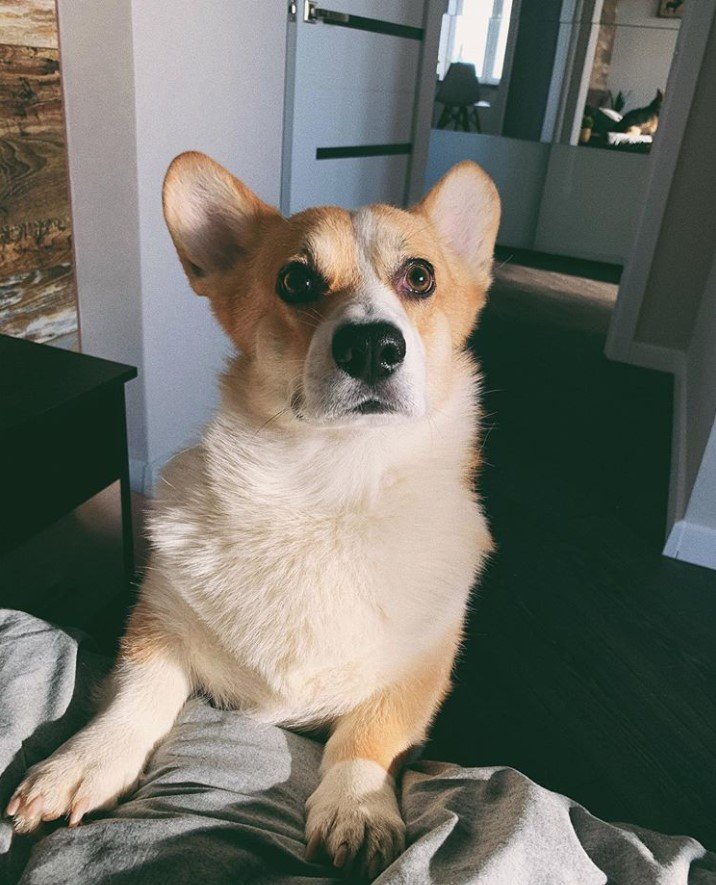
581 267
589 662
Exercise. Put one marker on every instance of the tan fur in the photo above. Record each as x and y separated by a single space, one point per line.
386 726
146 636
647 128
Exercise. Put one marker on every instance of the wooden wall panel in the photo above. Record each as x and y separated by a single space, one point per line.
37 290
28 23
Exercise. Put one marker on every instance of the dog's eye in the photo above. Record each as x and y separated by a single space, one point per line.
298 283
417 278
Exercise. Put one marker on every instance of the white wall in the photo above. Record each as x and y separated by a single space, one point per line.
694 536
98 84
666 308
208 77
643 49
701 390
591 203
517 167
145 80
555 198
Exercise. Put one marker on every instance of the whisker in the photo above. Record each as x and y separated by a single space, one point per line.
305 321
272 418
312 312
486 436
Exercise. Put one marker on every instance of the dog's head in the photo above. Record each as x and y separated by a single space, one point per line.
341 316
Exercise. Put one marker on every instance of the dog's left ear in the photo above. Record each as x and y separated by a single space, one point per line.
213 218
464 207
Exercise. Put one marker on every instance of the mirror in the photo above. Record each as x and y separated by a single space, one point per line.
589 73
561 102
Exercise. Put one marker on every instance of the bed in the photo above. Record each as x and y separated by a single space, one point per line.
222 801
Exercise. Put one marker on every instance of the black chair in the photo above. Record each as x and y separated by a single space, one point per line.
459 92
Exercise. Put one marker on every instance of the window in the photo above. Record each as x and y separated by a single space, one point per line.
475 31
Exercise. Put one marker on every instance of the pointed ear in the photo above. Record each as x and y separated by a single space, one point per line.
464 207
212 217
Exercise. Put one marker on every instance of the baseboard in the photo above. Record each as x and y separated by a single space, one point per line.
653 356
692 543
679 449
143 476
153 474
137 470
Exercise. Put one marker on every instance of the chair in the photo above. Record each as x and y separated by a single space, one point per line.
459 92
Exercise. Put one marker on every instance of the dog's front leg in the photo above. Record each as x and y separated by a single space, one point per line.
353 814
104 760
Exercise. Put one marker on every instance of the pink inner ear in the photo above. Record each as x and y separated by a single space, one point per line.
210 214
213 243
463 215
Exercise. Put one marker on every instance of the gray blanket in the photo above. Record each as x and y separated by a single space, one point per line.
222 801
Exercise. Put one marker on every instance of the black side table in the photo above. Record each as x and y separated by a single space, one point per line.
63 438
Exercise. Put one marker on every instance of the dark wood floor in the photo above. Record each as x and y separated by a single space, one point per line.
590 662
563 264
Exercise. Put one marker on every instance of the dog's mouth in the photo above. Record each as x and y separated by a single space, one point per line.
372 407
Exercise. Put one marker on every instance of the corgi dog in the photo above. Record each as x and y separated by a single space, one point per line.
313 556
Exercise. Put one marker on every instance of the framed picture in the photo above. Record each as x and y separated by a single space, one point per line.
670 8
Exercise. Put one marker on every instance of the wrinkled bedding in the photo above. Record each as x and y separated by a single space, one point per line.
222 801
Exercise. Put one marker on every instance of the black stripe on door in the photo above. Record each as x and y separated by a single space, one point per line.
362 150
374 25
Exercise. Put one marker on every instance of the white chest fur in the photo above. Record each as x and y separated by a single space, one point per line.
321 563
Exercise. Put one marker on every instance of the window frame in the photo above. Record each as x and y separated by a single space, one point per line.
494 27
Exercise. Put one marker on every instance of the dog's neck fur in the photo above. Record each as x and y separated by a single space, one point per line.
284 458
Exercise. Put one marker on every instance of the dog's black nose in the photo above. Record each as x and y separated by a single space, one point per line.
368 351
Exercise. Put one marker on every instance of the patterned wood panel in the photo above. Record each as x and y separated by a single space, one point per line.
28 23
37 290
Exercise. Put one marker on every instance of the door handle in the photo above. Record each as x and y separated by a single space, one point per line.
312 13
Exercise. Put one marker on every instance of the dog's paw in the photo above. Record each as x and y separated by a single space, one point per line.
353 817
72 782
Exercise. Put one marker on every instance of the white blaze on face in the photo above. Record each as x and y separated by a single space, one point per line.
330 393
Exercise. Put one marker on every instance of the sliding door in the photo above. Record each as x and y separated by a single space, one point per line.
352 77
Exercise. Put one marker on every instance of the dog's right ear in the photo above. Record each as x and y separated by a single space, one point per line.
213 218
464 206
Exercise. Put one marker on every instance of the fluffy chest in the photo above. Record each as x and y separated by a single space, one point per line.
322 576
